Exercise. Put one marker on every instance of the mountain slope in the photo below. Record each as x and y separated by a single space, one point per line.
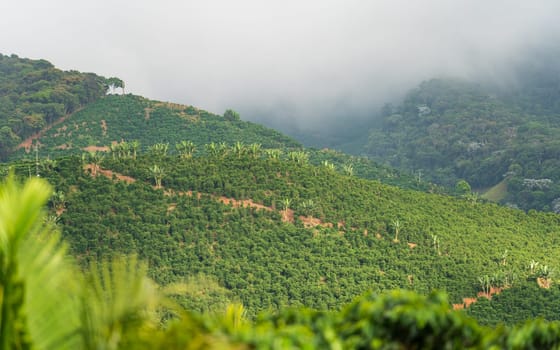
33 94
116 118
451 130
126 117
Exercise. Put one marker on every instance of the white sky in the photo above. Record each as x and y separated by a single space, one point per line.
297 61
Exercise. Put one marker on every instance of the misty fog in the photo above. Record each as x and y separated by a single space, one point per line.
290 64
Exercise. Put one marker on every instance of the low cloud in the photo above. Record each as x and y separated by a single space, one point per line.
300 64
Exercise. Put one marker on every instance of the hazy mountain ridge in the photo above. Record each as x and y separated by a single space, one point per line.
451 130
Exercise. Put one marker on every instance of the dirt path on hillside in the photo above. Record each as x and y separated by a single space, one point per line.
287 215
96 171
28 142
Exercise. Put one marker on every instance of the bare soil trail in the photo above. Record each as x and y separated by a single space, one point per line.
28 142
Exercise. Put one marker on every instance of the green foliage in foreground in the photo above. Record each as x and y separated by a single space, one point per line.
47 303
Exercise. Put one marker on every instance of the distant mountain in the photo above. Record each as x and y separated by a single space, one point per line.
451 130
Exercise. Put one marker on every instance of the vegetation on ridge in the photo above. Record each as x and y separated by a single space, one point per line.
450 130
34 94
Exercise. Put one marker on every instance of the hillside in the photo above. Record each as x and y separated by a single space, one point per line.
49 303
451 130
34 94
274 231
136 123
115 118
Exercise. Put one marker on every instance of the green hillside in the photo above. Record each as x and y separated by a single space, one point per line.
104 124
126 117
34 94
451 130
276 232
48 303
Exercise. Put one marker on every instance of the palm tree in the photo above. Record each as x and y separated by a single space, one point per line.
58 200
158 173
485 284
435 242
238 149
328 165
308 206
36 278
299 157
348 169
255 150
286 202
185 149
48 303
135 146
273 153
222 149
212 149
533 266
159 149
49 164
124 149
472 197
114 148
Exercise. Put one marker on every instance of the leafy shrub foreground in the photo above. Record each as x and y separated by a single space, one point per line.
47 303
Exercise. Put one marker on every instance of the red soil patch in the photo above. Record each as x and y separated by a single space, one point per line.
288 215
96 149
468 301
490 293
108 173
63 146
243 203
412 245
310 221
